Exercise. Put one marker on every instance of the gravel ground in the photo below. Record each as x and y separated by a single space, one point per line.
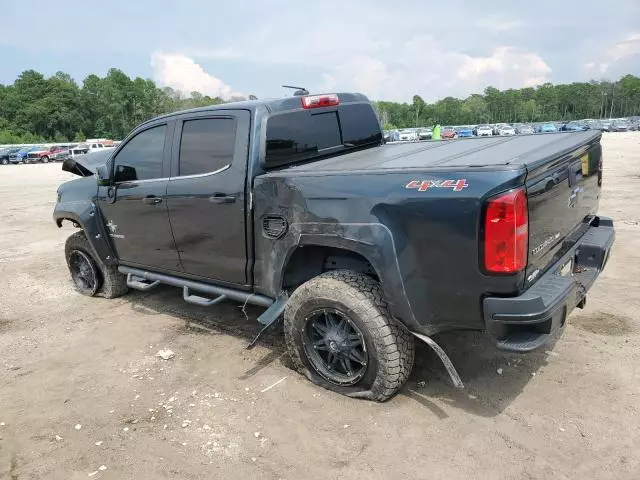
83 395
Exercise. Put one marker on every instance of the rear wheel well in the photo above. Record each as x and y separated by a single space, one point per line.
310 261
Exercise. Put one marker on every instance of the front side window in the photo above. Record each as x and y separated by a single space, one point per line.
206 145
141 157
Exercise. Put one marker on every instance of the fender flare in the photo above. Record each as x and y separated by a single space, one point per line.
85 214
373 241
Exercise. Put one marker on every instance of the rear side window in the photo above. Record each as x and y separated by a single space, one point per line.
206 145
304 134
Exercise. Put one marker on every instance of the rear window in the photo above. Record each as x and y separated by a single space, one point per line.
305 134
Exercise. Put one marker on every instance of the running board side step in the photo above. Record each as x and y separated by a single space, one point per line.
198 300
139 283
141 279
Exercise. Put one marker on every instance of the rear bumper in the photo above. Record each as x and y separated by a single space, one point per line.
530 320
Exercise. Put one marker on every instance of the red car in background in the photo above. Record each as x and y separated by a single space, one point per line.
448 133
48 154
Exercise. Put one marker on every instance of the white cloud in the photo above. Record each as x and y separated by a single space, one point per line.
184 74
626 48
506 68
425 67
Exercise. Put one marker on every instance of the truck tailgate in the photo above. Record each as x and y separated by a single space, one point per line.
563 195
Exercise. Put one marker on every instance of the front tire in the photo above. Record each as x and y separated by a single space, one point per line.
341 335
45 159
5 161
89 274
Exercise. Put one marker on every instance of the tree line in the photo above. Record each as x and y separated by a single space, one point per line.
547 102
38 109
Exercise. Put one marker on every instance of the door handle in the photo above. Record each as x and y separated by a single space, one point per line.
222 198
151 200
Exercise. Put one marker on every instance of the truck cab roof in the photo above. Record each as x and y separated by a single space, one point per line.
273 105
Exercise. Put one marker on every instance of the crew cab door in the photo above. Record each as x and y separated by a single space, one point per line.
206 194
134 205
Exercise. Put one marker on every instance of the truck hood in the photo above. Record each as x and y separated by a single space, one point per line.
86 165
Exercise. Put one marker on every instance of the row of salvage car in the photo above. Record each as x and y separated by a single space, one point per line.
505 129
23 154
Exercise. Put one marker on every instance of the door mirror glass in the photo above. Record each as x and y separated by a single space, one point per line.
125 173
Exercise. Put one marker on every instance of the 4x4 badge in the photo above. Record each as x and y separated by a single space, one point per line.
423 185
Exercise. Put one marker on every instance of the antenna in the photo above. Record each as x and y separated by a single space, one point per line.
299 91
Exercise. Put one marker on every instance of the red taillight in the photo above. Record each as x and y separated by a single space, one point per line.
506 232
317 101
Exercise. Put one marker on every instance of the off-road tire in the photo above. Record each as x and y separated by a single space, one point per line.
389 345
112 283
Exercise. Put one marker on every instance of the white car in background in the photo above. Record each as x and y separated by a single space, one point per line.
506 130
484 131
84 148
408 135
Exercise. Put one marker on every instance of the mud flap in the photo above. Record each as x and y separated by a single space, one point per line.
448 364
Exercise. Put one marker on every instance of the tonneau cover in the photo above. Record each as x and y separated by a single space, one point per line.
471 152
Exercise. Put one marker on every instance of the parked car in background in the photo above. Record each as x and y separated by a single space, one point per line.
634 125
525 129
464 132
497 127
40 154
594 124
5 153
425 134
84 148
619 126
408 135
59 153
546 128
448 133
483 131
605 126
574 127
20 156
506 130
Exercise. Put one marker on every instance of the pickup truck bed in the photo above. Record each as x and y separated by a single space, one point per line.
472 152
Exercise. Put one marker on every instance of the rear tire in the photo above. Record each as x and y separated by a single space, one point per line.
384 349
110 283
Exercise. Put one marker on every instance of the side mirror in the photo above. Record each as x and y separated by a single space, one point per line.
125 173
102 172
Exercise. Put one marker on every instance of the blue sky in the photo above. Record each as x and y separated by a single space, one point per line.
387 50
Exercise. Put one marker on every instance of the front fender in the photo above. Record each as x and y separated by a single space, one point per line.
87 216
372 241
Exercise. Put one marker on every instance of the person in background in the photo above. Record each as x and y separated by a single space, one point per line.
436 132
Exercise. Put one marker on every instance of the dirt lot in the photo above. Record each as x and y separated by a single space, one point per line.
81 388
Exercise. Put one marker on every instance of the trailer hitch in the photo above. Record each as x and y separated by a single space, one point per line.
448 364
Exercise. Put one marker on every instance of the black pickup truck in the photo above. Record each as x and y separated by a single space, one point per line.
296 204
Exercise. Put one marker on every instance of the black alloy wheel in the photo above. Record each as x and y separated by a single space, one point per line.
84 272
335 346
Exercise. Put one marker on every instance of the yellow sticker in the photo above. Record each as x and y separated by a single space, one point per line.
585 165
